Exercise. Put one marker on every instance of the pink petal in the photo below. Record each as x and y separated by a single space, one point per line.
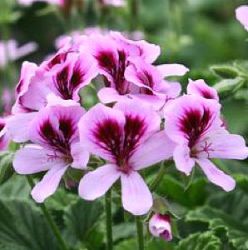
33 159
96 183
144 112
242 15
109 95
157 148
89 127
49 183
172 70
80 156
18 126
227 146
183 161
200 88
136 197
216 176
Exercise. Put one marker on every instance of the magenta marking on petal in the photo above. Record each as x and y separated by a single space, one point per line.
109 136
115 68
58 140
57 59
146 78
61 82
194 124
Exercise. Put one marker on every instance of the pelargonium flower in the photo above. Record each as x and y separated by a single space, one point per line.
113 52
9 51
160 226
194 124
149 79
4 137
242 15
38 88
200 88
126 138
116 3
55 146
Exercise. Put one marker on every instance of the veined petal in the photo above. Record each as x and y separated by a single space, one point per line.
136 196
33 159
227 146
96 183
216 176
49 183
157 148
183 161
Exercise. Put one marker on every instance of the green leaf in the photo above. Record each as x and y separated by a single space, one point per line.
23 227
123 230
16 187
81 218
227 87
225 71
200 241
6 170
175 190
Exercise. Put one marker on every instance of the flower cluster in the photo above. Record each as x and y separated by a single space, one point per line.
141 119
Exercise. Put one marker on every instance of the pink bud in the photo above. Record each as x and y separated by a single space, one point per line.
160 226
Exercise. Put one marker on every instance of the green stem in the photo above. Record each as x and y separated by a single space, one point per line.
159 176
50 220
108 210
134 14
140 234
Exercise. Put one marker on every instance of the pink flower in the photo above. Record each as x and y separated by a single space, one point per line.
160 226
200 88
9 51
149 79
55 146
126 138
29 2
194 123
41 86
242 15
4 137
116 3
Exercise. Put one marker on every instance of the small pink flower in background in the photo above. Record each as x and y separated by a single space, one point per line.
9 51
242 15
116 3
4 137
30 2
126 138
55 146
194 124
160 226
8 98
200 88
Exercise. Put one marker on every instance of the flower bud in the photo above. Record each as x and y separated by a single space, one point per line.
160 226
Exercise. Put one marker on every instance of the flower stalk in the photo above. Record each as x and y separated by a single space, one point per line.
108 210
50 220
140 233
